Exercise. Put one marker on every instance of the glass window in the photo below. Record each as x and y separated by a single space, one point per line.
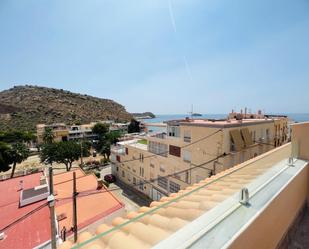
187 136
173 131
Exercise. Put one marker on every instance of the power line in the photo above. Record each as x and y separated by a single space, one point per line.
181 147
87 193
158 154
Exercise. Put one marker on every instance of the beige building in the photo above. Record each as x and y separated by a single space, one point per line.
60 132
64 132
261 203
194 149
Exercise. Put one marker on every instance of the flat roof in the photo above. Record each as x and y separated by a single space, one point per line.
90 207
31 231
224 123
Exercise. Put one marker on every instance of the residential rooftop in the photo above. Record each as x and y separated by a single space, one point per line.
212 213
93 204
26 231
220 123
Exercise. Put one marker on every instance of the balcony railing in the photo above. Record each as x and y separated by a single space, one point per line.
118 150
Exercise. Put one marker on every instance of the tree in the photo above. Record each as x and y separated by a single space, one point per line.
48 136
134 126
18 153
48 153
63 152
5 156
13 149
100 129
16 136
113 136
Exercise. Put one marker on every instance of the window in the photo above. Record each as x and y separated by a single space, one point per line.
118 158
187 136
141 185
187 177
174 187
267 134
113 158
186 156
174 150
134 180
162 182
141 171
117 168
122 174
127 151
254 136
173 131
141 157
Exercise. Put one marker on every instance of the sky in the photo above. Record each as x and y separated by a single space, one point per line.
162 55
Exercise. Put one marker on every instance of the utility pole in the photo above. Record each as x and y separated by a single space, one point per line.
74 207
51 203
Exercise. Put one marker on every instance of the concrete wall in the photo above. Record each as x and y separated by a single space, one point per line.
300 140
267 230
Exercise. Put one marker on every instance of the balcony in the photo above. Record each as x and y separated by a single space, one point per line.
118 150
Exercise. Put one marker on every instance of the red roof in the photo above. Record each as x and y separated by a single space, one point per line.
33 229
90 208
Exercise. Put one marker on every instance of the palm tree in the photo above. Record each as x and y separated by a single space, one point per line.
18 153
48 136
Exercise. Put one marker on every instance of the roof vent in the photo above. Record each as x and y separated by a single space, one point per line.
244 197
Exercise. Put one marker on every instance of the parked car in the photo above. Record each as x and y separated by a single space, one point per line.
110 178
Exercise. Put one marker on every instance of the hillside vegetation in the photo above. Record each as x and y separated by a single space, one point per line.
22 107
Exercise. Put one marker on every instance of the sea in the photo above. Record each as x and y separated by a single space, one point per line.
295 117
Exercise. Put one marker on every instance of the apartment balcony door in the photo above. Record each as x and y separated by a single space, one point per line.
156 194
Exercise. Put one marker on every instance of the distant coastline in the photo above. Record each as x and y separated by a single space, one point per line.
143 115
296 117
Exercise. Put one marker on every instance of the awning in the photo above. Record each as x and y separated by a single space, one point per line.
237 139
247 137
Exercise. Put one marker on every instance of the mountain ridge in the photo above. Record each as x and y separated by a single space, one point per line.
24 106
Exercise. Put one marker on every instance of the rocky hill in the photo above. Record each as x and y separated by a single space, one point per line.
22 107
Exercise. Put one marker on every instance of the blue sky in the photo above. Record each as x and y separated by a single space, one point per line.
162 55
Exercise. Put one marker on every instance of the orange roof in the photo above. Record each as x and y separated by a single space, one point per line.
91 207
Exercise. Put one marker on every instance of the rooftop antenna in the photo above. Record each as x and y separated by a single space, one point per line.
191 112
